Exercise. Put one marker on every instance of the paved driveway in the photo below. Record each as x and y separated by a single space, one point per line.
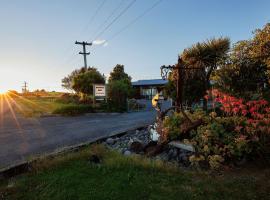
21 138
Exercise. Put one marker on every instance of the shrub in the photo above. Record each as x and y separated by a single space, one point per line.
68 98
118 92
222 139
73 110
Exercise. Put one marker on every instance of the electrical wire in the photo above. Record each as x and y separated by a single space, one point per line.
109 16
136 19
116 18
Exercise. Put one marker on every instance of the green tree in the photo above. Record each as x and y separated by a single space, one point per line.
67 81
247 70
119 88
118 73
84 81
205 55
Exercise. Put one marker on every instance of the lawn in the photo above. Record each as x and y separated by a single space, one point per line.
73 176
37 106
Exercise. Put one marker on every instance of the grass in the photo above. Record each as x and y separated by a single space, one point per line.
72 110
37 106
72 176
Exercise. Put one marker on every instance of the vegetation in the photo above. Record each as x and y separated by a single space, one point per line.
73 110
119 89
238 131
206 57
37 106
72 176
82 81
247 68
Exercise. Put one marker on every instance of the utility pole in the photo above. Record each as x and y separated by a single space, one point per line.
24 87
84 53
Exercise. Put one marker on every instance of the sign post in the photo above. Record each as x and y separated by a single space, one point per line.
99 91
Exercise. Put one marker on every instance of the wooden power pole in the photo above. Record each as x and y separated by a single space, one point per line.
24 87
84 53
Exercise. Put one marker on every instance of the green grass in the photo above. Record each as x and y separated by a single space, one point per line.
72 110
72 176
37 106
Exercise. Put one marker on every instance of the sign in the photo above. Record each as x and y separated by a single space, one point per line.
99 90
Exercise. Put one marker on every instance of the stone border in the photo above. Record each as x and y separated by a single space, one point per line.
25 166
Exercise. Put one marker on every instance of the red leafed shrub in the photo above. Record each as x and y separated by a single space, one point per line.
257 114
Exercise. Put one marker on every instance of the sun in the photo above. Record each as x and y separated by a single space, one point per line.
2 92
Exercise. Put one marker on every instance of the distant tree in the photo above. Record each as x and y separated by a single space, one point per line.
83 82
119 88
68 80
118 73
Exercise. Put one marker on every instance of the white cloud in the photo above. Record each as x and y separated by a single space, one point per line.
105 44
99 42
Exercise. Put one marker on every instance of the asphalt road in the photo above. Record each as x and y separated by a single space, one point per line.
21 138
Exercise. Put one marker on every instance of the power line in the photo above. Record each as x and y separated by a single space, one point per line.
94 15
72 57
116 18
136 19
111 14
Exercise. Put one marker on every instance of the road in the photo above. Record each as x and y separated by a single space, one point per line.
21 138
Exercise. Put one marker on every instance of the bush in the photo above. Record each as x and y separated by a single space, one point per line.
68 98
228 138
118 92
73 110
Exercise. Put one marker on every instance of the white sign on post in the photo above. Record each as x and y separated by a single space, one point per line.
100 90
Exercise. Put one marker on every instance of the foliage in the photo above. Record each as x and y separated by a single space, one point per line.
118 73
72 176
118 92
240 131
119 89
247 69
206 56
83 82
73 110
68 98
67 81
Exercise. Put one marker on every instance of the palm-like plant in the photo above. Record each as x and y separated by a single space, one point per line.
206 55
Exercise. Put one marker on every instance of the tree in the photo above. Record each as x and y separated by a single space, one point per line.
206 55
247 70
119 88
118 73
67 81
83 82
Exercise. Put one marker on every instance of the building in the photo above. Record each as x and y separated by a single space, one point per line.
147 89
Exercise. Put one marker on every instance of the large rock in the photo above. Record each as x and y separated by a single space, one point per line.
110 141
127 153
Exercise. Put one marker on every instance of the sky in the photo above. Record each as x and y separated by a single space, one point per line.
37 37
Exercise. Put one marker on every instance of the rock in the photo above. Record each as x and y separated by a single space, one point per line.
172 154
127 153
183 157
180 145
110 141
136 147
